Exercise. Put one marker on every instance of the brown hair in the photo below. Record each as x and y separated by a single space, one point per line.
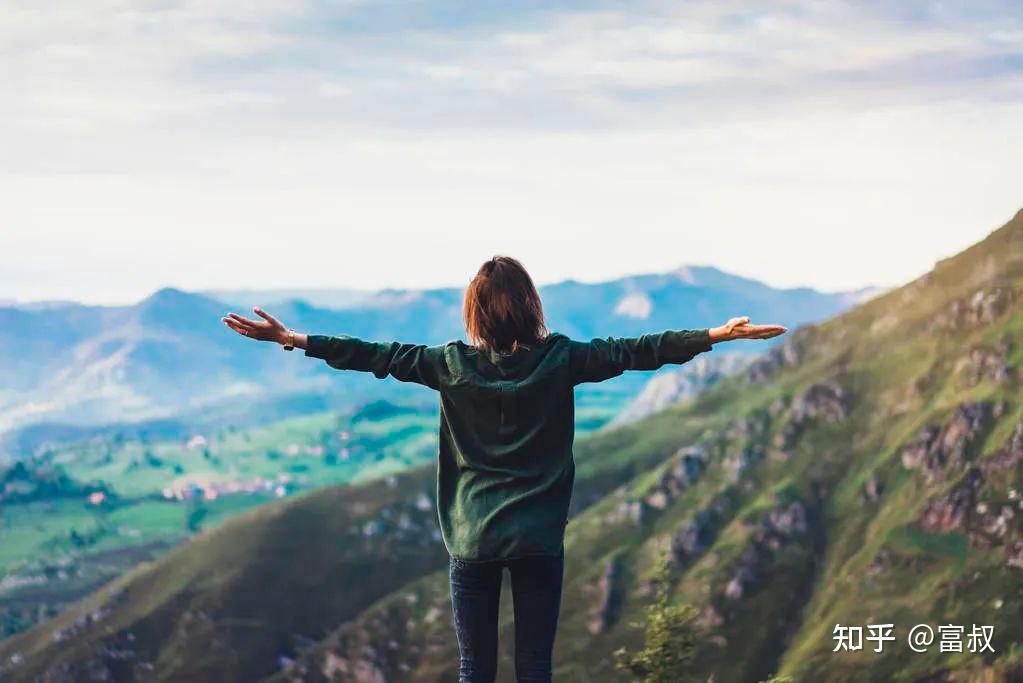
502 307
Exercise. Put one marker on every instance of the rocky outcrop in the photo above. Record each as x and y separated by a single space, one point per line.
1014 556
610 595
361 670
947 513
787 522
937 447
690 463
825 402
983 307
737 462
995 521
747 572
985 363
880 563
89 619
1008 456
694 537
680 385
752 427
405 521
784 355
781 526
872 489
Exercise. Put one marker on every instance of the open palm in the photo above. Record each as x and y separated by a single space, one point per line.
267 329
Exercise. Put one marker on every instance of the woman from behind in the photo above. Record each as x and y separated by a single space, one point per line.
505 468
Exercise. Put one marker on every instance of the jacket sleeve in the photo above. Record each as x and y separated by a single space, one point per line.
601 359
405 362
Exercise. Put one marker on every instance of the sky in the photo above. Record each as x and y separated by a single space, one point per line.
290 143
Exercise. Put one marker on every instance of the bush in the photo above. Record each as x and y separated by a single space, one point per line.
671 636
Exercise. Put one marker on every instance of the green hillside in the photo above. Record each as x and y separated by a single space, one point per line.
866 471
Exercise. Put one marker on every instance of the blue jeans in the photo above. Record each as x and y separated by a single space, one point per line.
475 599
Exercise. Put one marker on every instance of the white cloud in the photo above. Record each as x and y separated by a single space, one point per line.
154 139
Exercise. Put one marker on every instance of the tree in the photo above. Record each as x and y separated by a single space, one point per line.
670 638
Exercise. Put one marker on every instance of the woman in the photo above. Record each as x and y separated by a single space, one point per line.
505 470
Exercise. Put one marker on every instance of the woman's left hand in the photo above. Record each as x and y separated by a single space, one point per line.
268 329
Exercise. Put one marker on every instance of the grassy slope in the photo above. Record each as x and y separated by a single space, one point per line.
257 586
899 376
227 604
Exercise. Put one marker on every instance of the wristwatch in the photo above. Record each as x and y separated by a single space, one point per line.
289 343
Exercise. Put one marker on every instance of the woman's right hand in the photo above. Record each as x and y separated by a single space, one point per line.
268 329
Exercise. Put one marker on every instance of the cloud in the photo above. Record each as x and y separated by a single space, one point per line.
486 65
151 137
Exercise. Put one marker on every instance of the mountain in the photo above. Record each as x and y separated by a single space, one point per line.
68 364
680 384
866 470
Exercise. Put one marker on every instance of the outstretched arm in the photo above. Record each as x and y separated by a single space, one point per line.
601 359
405 362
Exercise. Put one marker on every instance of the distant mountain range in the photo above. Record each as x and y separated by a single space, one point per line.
86 365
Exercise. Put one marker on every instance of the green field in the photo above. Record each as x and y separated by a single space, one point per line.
56 545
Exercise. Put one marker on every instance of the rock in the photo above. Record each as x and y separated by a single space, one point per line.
710 618
84 621
675 478
823 401
997 526
746 574
789 521
739 461
936 447
627 510
673 387
982 308
657 500
1009 456
948 513
610 598
872 489
777 407
985 363
880 563
1014 556
780 526
786 354
693 538
751 427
